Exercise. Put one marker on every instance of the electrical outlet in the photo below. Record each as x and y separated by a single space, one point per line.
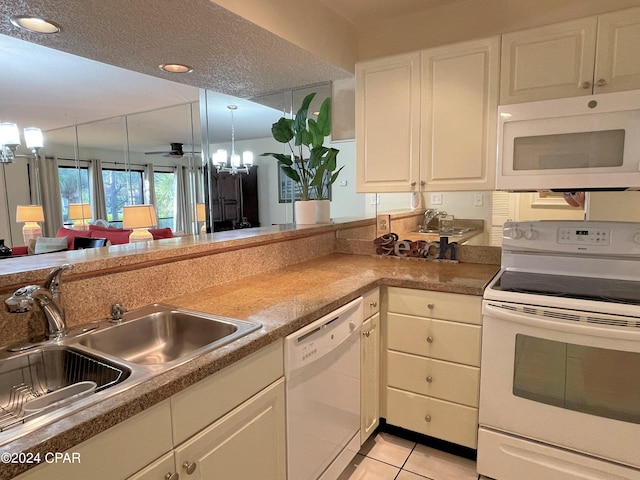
375 199
436 199
383 224
478 199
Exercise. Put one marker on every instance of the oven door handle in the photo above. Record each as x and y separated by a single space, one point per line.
569 321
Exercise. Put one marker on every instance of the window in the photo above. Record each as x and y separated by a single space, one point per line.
74 188
121 188
165 189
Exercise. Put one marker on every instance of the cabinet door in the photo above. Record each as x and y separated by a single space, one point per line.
370 377
161 469
388 124
459 116
247 443
617 60
553 61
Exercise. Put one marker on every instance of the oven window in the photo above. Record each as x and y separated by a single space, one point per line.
569 150
591 380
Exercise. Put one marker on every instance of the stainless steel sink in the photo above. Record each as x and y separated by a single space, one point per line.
456 230
160 334
29 376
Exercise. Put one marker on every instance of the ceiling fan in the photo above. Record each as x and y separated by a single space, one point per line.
175 152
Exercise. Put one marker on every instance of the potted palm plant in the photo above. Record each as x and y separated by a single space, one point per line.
310 164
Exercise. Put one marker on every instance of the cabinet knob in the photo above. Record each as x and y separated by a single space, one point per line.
172 476
430 339
413 184
585 85
366 334
427 418
422 183
429 379
373 304
601 83
431 306
189 467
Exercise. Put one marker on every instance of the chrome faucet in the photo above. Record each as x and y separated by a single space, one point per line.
431 216
47 297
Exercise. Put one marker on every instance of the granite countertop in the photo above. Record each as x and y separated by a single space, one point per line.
283 301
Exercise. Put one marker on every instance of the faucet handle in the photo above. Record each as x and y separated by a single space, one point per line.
117 310
52 282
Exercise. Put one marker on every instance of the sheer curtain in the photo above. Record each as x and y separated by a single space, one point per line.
150 188
48 182
96 191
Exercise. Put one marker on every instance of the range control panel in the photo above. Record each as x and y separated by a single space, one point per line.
584 235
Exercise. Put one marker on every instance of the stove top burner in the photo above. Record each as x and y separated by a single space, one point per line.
587 288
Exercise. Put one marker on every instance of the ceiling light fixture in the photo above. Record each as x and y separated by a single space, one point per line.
10 141
176 68
233 164
35 24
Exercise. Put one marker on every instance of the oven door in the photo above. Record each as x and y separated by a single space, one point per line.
563 378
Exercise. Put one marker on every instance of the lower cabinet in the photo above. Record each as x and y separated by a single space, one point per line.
432 362
249 442
370 366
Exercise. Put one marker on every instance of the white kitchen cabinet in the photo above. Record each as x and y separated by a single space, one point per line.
426 121
370 366
459 118
433 363
579 57
117 452
388 123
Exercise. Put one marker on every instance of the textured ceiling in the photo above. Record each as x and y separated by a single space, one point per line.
362 12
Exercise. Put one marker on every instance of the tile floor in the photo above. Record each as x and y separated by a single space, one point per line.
387 457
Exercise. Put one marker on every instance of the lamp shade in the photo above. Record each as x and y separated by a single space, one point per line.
29 213
79 211
139 216
201 214
9 134
33 137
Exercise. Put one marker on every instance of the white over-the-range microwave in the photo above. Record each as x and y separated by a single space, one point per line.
581 143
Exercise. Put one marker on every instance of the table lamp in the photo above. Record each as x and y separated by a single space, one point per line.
30 214
139 218
80 212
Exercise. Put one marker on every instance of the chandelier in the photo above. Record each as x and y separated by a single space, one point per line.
234 163
10 140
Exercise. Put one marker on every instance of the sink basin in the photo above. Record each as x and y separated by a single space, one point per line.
160 334
456 230
45 371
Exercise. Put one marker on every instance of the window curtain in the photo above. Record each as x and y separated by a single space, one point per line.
150 188
96 190
183 224
47 182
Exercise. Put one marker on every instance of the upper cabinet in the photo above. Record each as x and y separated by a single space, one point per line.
388 123
427 120
579 57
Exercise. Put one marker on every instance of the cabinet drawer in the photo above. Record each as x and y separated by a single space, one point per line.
445 306
451 341
430 416
371 302
435 378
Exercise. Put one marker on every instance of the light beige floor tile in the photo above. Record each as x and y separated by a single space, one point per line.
405 475
439 465
364 468
388 448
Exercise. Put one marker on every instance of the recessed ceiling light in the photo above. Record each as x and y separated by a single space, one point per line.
35 24
176 68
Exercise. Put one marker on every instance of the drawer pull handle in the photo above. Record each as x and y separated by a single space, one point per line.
429 339
427 418
189 467
430 306
429 379
172 476
373 304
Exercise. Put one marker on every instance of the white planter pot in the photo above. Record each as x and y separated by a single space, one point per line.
310 212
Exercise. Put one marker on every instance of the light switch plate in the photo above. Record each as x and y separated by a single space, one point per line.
436 199
383 225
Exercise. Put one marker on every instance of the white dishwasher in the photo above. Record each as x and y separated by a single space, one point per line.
322 372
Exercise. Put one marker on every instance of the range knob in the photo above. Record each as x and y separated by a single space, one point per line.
530 234
513 233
